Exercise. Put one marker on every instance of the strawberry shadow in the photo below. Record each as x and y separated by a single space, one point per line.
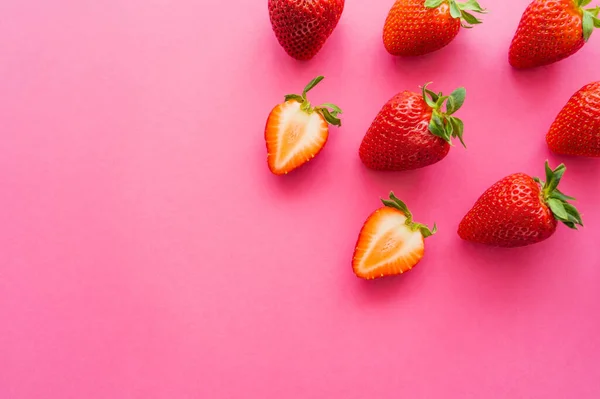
537 84
278 65
299 180
500 267
586 168
385 288
409 181
425 67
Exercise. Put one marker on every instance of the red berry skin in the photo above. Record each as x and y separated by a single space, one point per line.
411 29
549 31
399 137
303 26
511 213
576 129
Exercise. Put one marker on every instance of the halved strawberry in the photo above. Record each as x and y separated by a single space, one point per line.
296 132
390 242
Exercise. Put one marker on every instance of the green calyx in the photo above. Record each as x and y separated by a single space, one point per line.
461 10
396 203
589 16
558 202
442 123
328 111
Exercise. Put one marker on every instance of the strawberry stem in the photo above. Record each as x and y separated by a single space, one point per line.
442 123
328 111
558 202
396 203
460 10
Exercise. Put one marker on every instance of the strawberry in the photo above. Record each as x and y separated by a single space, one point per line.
520 210
417 27
390 242
303 26
413 130
296 131
576 130
551 30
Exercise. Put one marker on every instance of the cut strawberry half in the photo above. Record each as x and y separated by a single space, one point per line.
296 132
390 242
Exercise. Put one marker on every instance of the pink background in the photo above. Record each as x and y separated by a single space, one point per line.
147 252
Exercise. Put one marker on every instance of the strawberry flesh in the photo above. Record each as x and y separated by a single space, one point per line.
293 137
386 245
390 242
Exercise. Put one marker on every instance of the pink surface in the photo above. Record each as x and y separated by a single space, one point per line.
147 252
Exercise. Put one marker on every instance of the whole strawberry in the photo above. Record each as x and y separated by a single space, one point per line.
303 26
551 30
413 130
520 210
417 27
576 130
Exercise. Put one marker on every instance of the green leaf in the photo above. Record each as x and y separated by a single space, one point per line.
312 84
395 202
434 96
454 10
426 232
436 118
433 3
436 126
391 204
549 172
429 96
436 130
458 127
588 25
430 102
472 5
295 97
596 22
553 178
573 213
469 18
456 100
449 127
450 105
558 209
399 204
559 171
435 229
331 119
560 196
556 200
440 101
334 107
583 3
